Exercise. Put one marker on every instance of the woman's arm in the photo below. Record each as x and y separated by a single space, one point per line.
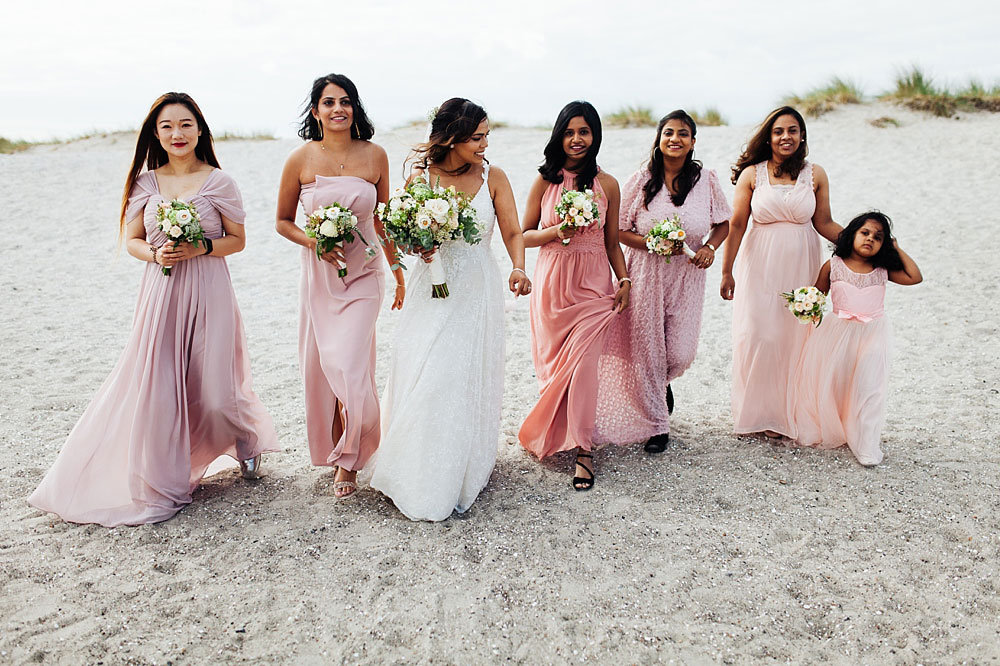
136 243
611 246
823 280
822 218
705 256
533 236
389 248
910 273
506 210
288 200
737 227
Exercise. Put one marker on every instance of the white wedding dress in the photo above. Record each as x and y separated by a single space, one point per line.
441 406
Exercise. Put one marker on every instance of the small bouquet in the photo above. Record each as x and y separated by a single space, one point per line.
331 226
808 304
179 221
666 237
577 209
425 217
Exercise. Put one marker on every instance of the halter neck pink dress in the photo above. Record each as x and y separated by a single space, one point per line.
337 330
571 310
841 378
780 252
180 394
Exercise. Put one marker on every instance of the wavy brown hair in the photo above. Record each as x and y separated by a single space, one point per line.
455 121
150 153
758 149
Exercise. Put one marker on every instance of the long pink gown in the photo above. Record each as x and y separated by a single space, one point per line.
180 394
655 339
780 252
337 330
571 310
841 378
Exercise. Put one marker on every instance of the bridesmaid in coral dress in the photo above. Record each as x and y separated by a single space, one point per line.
180 395
655 341
339 164
789 200
574 301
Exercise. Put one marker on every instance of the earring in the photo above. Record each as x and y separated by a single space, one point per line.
450 146
357 132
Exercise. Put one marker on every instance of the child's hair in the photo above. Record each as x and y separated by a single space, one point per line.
887 256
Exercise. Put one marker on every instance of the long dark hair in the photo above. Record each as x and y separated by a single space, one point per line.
689 174
310 129
455 121
148 150
555 156
759 147
887 256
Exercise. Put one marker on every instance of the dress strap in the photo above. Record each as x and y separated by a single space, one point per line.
761 170
836 269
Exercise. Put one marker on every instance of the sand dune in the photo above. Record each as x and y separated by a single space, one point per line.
722 549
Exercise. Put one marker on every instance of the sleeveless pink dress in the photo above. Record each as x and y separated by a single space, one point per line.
654 341
780 252
571 310
841 378
337 330
180 394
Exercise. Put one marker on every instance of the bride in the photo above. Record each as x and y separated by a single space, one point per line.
441 408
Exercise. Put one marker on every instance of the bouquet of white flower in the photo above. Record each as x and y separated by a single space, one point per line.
179 221
666 237
577 209
808 304
331 226
425 217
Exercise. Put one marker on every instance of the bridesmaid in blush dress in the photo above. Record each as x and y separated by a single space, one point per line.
339 164
574 301
180 395
789 200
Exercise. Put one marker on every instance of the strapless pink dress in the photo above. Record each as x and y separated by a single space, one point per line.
780 252
842 375
571 310
180 394
337 330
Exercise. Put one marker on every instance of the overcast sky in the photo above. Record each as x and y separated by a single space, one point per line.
73 67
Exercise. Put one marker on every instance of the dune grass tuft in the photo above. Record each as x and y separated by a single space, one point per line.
826 98
245 136
9 146
884 121
631 116
710 118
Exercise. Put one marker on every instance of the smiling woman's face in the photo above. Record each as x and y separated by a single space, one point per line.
177 130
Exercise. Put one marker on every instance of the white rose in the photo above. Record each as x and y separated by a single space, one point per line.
354 220
579 221
580 201
439 208
328 228
800 296
183 216
395 204
175 232
588 214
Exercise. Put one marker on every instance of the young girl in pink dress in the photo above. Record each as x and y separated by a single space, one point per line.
339 164
574 300
180 395
789 199
655 341
841 378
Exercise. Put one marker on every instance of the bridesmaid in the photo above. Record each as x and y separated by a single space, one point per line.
339 163
180 395
789 200
656 340
575 301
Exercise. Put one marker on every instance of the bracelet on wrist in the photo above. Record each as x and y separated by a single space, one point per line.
153 249
519 270
208 245
623 280
709 246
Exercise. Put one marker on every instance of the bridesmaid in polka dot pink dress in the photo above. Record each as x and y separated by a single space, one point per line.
655 341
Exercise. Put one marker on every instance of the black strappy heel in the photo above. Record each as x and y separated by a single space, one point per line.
670 400
583 482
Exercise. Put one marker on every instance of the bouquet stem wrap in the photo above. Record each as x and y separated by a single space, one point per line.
439 283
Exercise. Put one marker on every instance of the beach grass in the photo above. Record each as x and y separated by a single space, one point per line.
245 136
823 99
9 146
884 121
631 116
916 90
711 117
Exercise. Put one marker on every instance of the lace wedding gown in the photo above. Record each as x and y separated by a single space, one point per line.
441 407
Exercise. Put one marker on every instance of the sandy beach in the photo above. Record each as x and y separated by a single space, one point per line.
720 550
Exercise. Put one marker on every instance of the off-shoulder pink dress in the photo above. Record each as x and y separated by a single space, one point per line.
571 310
337 330
780 252
655 339
841 378
180 394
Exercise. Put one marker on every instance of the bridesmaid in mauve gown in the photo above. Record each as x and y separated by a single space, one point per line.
574 301
789 200
180 395
339 164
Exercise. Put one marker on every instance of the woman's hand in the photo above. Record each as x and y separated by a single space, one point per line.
566 233
728 287
519 283
704 257
173 252
397 299
621 296
426 255
335 256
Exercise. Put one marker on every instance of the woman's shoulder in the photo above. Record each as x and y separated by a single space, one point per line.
608 182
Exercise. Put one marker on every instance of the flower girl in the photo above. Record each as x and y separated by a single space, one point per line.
841 377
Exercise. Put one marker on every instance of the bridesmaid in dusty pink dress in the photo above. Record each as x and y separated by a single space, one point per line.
574 300
180 395
339 164
789 199
655 341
